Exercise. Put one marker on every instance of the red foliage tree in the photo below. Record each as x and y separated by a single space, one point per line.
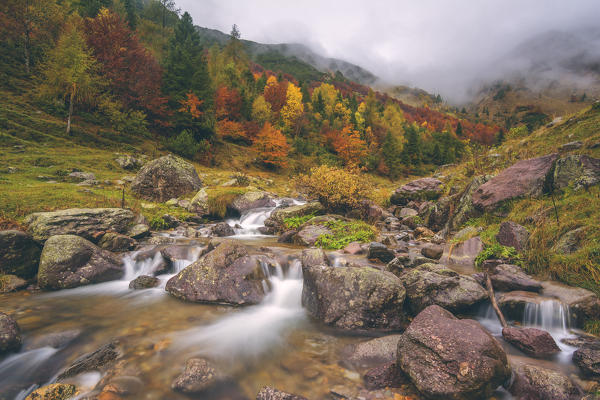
232 130
228 104
275 93
134 74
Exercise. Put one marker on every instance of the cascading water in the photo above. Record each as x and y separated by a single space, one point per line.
249 223
253 330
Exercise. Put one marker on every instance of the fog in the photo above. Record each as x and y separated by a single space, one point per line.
445 47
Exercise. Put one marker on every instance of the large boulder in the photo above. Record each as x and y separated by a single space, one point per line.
19 254
508 277
531 341
227 274
165 178
430 284
451 358
354 298
278 216
578 171
525 178
10 334
69 261
198 376
583 304
199 203
433 251
513 235
420 189
537 383
84 222
464 209
587 358
251 200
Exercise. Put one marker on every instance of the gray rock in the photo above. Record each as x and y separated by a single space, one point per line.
354 298
450 358
198 376
116 242
420 189
144 282
84 222
165 178
525 178
577 171
507 277
69 261
430 284
251 200
82 176
10 334
269 393
11 283
222 229
19 254
432 251
379 251
407 212
537 383
312 257
139 231
309 234
128 162
93 361
199 203
569 242
513 235
226 274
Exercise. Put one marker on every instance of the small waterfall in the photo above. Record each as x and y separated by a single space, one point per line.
252 220
146 266
549 315
256 329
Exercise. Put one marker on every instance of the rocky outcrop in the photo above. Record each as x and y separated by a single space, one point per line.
508 277
531 341
587 358
19 254
251 200
93 361
577 171
537 383
449 358
10 334
198 376
139 231
583 304
525 178
165 178
84 222
226 274
464 253
277 217
69 261
54 391
354 298
430 284
513 235
269 393
222 229
199 203
144 282
464 209
420 189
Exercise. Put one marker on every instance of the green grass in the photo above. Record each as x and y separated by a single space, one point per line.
220 198
344 233
295 222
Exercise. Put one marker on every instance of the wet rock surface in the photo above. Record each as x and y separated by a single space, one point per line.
508 277
587 358
198 376
69 261
531 341
144 282
269 393
449 358
19 254
354 298
226 274
380 252
371 352
385 375
536 383
10 334
11 283
93 361
55 391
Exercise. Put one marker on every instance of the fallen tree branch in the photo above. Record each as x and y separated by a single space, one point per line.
490 289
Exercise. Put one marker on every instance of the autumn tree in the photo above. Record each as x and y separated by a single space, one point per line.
276 93
272 147
70 71
191 105
325 97
133 73
261 110
391 152
349 146
228 104
293 108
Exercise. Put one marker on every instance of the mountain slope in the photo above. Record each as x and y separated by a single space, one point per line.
292 58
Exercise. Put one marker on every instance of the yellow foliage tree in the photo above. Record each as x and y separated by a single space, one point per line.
261 110
293 108
329 95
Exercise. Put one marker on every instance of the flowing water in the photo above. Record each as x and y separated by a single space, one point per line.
272 343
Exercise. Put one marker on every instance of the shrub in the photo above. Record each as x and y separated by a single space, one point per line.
339 190
295 222
185 145
158 223
498 251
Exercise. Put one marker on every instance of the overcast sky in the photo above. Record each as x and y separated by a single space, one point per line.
438 45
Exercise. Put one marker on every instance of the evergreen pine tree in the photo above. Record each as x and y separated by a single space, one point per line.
459 129
391 152
131 17
412 148
437 155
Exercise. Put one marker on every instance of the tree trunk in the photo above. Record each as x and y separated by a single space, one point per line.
70 110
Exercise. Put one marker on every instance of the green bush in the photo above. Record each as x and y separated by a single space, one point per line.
496 250
185 145
158 223
295 222
344 233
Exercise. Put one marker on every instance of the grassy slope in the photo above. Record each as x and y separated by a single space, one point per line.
575 209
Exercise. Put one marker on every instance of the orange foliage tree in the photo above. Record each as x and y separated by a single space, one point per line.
228 104
191 105
232 130
349 146
272 147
